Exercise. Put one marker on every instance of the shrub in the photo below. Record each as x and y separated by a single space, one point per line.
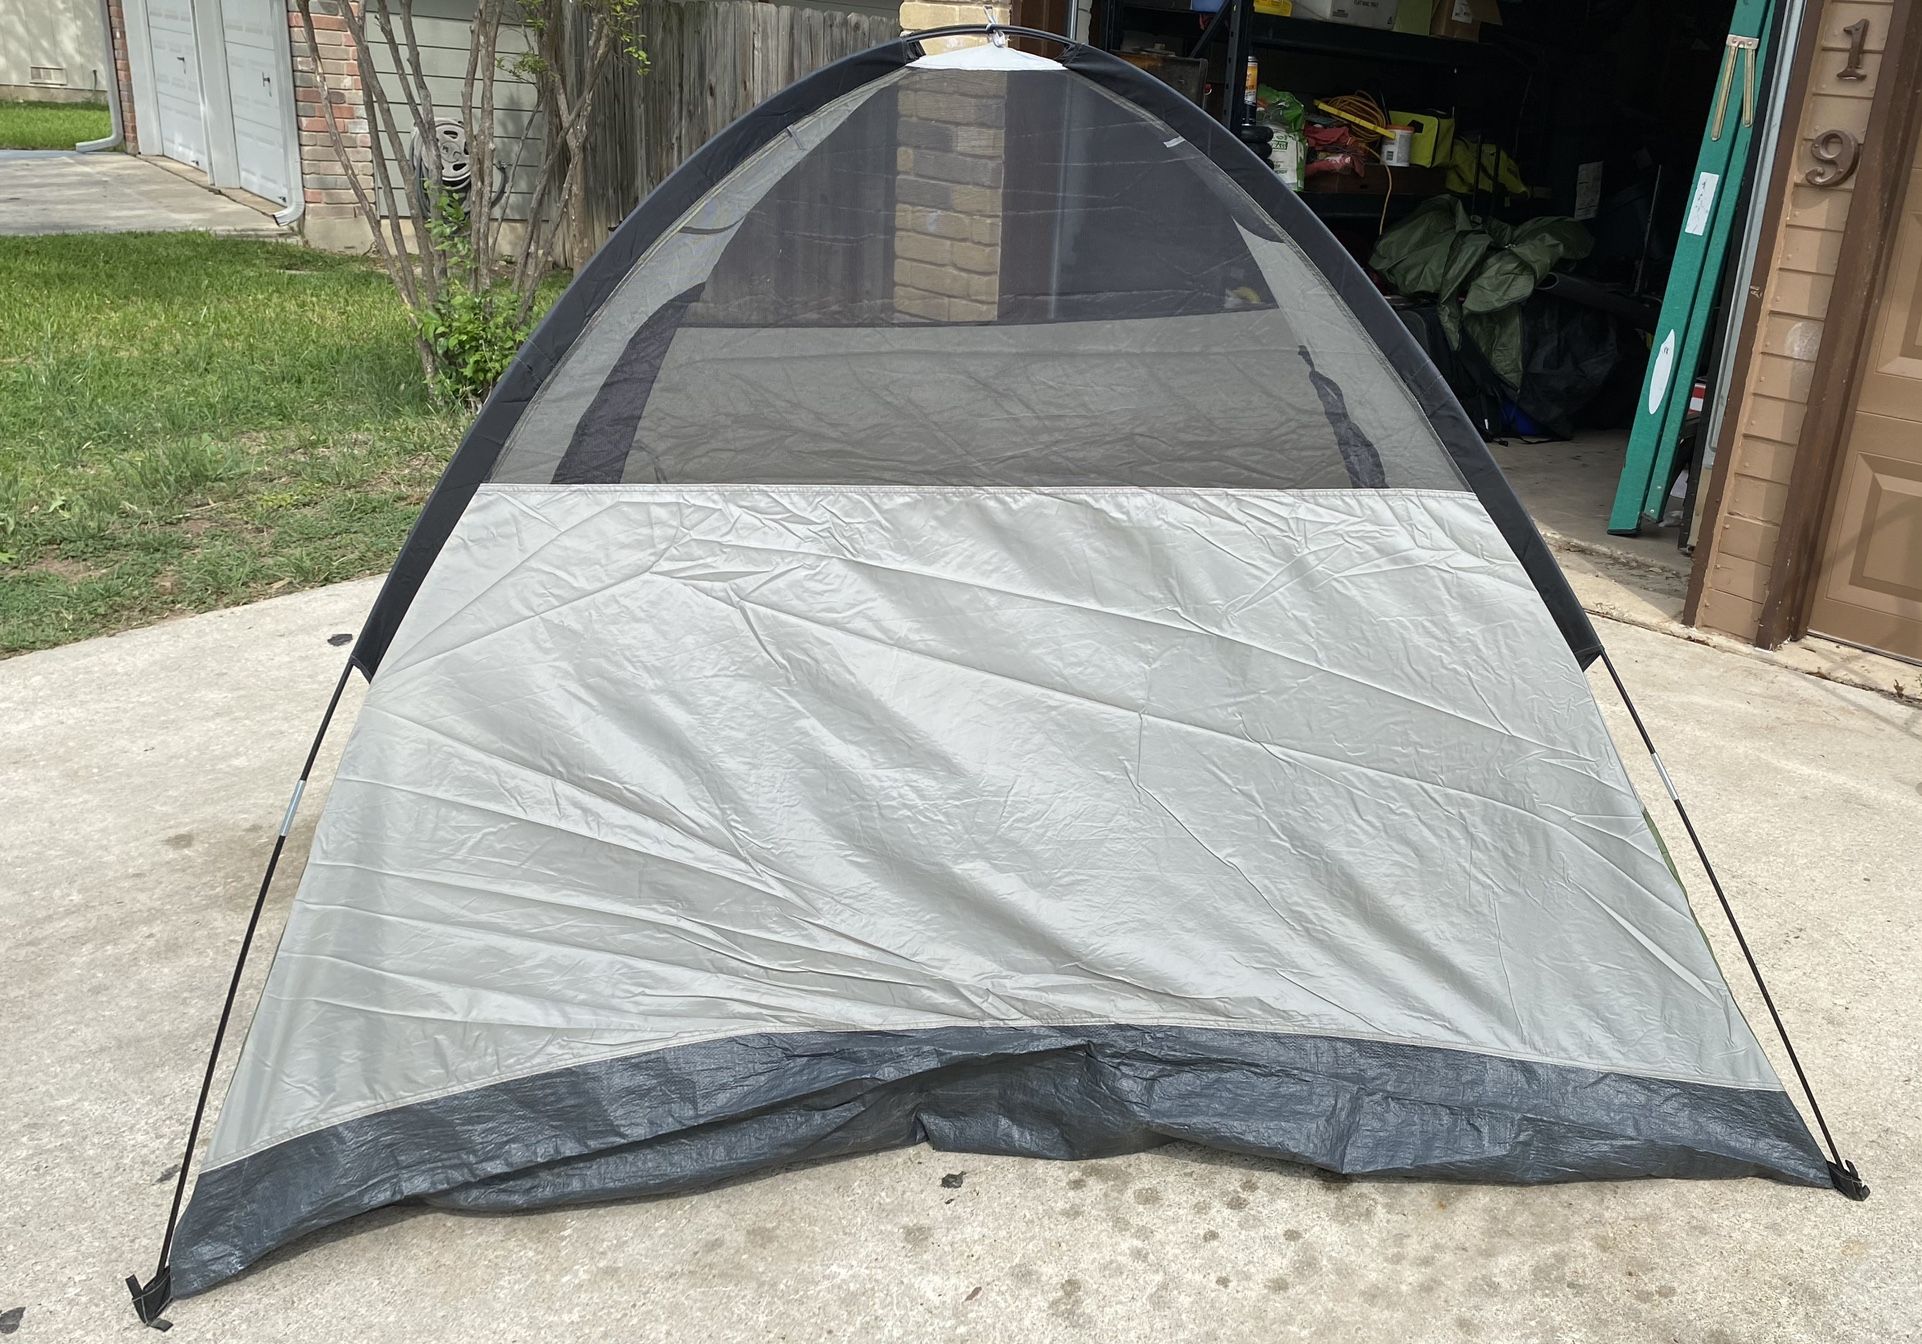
474 325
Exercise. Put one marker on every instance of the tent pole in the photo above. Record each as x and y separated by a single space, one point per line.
152 1297
1842 1173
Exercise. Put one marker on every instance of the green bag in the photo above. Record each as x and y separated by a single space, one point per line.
1478 272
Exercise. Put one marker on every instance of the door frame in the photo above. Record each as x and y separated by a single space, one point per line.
216 94
1868 239
146 95
290 122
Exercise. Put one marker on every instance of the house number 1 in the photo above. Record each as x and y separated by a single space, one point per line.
1858 36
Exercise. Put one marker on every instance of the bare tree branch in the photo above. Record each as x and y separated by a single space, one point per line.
369 210
374 95
480 141
397 268
422 265
413 60
571 45
514 169
529 265
420 104
561 170
602 40
420 108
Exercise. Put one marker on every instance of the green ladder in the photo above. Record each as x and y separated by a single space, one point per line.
1714 200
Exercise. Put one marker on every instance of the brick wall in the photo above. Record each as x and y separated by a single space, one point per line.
947 216
918 14
328 91
1791 297
122 72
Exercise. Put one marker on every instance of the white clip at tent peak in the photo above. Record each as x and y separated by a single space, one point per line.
995 35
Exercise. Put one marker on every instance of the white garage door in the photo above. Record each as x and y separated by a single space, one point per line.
256 78
176 66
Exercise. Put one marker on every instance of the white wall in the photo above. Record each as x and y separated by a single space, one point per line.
65 34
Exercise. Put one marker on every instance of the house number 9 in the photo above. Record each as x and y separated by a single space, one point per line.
1835 153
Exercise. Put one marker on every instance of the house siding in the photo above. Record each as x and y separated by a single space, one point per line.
328 86
52 50
1792 299
444 30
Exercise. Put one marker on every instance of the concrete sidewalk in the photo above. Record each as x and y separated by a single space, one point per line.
55 192
140 784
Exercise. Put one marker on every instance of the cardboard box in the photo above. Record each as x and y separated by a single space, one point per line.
1184 74
1361 13
1463 19
1365 13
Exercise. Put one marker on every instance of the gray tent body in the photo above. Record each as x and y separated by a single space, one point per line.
1041 669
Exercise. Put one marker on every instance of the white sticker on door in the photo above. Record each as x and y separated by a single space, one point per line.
1702 204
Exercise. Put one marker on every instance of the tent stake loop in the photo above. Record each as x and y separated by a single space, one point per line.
1849 1181
1842 1174
152 1297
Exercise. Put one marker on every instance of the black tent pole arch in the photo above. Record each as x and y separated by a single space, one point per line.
600 276
151 1298
1842 1172
990 30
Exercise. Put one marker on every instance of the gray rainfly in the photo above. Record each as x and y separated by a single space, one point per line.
973 623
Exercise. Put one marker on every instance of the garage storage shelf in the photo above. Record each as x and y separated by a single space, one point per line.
1310 36
1227 38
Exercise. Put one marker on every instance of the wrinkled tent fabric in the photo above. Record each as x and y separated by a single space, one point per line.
972 624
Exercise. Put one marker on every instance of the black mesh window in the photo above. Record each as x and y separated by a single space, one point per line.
979 278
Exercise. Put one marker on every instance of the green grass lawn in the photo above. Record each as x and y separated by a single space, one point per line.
188 422
52 125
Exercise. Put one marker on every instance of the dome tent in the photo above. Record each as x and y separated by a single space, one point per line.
971 622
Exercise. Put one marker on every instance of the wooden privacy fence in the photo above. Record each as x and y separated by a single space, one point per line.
709 61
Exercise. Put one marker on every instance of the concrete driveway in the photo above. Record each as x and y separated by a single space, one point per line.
142 778
55 192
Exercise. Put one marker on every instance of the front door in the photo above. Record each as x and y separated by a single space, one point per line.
1869 589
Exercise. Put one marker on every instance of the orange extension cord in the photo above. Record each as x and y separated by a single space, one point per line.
1364 115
